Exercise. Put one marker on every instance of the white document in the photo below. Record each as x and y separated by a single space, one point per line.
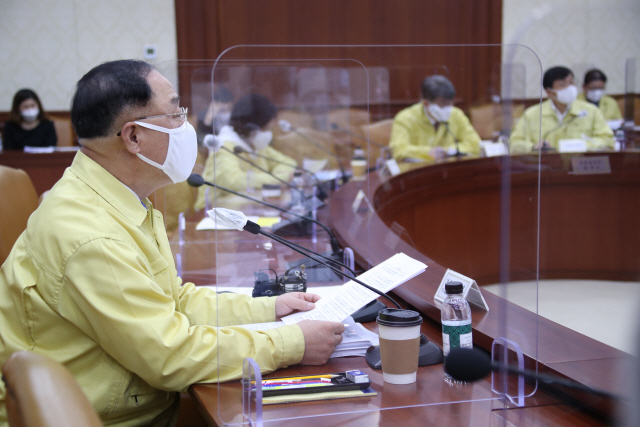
351 296
356 339
208 224
492 149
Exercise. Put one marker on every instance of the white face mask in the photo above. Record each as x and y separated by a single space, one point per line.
440 114
567 95
30 114
181 154
594 95
261 139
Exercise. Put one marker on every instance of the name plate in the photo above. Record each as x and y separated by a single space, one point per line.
470 290
360 197
392 167
590 165
491 149
572 146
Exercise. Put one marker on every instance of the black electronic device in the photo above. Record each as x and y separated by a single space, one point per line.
368 313
264 286
429 354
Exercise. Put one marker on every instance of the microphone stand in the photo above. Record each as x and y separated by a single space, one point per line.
196 180
345 177
254 228
263 170
458 152
321 194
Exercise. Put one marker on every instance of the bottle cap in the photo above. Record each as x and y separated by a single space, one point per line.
453 288
396 317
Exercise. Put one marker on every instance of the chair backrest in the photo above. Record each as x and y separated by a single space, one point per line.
64 131
18 201
42 393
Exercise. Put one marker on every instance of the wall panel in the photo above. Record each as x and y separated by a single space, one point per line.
205 28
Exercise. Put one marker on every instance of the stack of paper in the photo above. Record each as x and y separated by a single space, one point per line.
356 339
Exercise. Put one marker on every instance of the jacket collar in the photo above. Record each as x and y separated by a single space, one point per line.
109 188
576 109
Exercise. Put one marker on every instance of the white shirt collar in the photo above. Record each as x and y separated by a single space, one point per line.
560 115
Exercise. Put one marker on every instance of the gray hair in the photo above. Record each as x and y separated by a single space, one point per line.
434 87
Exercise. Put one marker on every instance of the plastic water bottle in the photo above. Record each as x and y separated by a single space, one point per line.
456 321
297 196
620 140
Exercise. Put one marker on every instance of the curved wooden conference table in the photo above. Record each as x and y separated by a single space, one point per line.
451 212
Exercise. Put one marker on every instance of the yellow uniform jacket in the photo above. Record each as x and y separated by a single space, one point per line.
413 135
608 107
92 284
583 121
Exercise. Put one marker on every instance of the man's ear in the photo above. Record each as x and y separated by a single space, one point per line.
550 93
130 137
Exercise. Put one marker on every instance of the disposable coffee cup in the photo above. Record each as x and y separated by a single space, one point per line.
359 169
271 193
399 332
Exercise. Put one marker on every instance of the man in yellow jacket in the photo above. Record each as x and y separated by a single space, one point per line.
92 284
593 88
249 131
563 117
433 128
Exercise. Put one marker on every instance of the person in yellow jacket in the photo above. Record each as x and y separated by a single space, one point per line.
433 128
92 284
252 118
593 88
563 117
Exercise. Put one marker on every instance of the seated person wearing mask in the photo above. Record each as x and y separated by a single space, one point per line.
92 283
563 117
593 88
28 124
429 129
249 127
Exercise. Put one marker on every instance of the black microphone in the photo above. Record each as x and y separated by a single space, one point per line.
465 364
263 170
458 152
196 180
286 127
254 228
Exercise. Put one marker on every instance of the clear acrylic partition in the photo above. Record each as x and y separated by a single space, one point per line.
528 224
631 111
330 101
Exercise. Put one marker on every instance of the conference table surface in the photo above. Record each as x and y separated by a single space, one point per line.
547 346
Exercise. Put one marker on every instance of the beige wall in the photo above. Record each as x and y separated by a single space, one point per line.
47 45
574 33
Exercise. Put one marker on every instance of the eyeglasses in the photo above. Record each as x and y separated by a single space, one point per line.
183 114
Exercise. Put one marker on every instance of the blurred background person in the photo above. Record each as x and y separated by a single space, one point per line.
28 124
593 88
563 117
217 115
252 119
433 128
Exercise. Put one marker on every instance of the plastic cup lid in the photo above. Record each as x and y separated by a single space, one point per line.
396 317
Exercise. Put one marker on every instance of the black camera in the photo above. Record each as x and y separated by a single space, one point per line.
267 287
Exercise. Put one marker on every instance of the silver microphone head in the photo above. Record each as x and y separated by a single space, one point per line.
285 125
212 142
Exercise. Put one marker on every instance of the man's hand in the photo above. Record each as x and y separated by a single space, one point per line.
544 145
294 301
320 340
438 153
